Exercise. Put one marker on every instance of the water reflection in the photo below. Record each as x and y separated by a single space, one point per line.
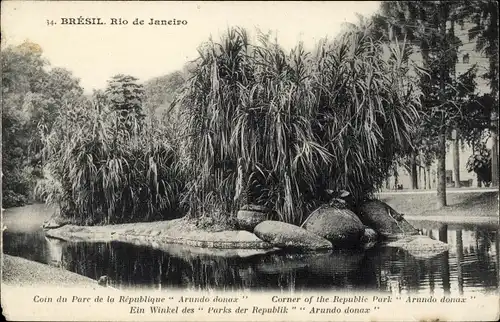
460 259
54 251
445 260
471 265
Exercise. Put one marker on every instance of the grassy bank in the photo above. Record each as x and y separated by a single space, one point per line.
476 204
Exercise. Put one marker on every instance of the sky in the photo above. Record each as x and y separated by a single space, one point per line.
94 53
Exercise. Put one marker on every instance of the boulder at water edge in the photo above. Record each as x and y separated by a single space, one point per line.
420 246
336 225
385 220
283 235
250 216
55 221
369 236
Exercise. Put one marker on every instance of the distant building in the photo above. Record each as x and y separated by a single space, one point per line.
466 178
467 57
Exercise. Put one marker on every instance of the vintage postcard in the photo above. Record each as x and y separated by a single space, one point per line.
250 161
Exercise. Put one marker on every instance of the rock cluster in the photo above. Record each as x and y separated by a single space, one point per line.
329 227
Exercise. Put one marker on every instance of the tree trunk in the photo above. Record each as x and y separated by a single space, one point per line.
456 151
419 165
456 159
425 179
494 149
441 155
413 170
493 70
429 183
441 172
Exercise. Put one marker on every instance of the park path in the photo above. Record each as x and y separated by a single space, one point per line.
423 192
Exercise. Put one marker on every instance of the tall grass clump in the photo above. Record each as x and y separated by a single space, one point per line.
367 110
279 129
99 171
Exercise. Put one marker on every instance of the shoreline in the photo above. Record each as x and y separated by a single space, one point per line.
19 271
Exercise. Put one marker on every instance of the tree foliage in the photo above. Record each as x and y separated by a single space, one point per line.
32 94
449 101
125 96
484 16
160 93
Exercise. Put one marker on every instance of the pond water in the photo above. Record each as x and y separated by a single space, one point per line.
471 265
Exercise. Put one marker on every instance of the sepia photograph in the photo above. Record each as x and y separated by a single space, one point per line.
245 161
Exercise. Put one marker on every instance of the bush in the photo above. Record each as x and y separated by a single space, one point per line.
279 129
480 163
18 184
13 199
100 172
